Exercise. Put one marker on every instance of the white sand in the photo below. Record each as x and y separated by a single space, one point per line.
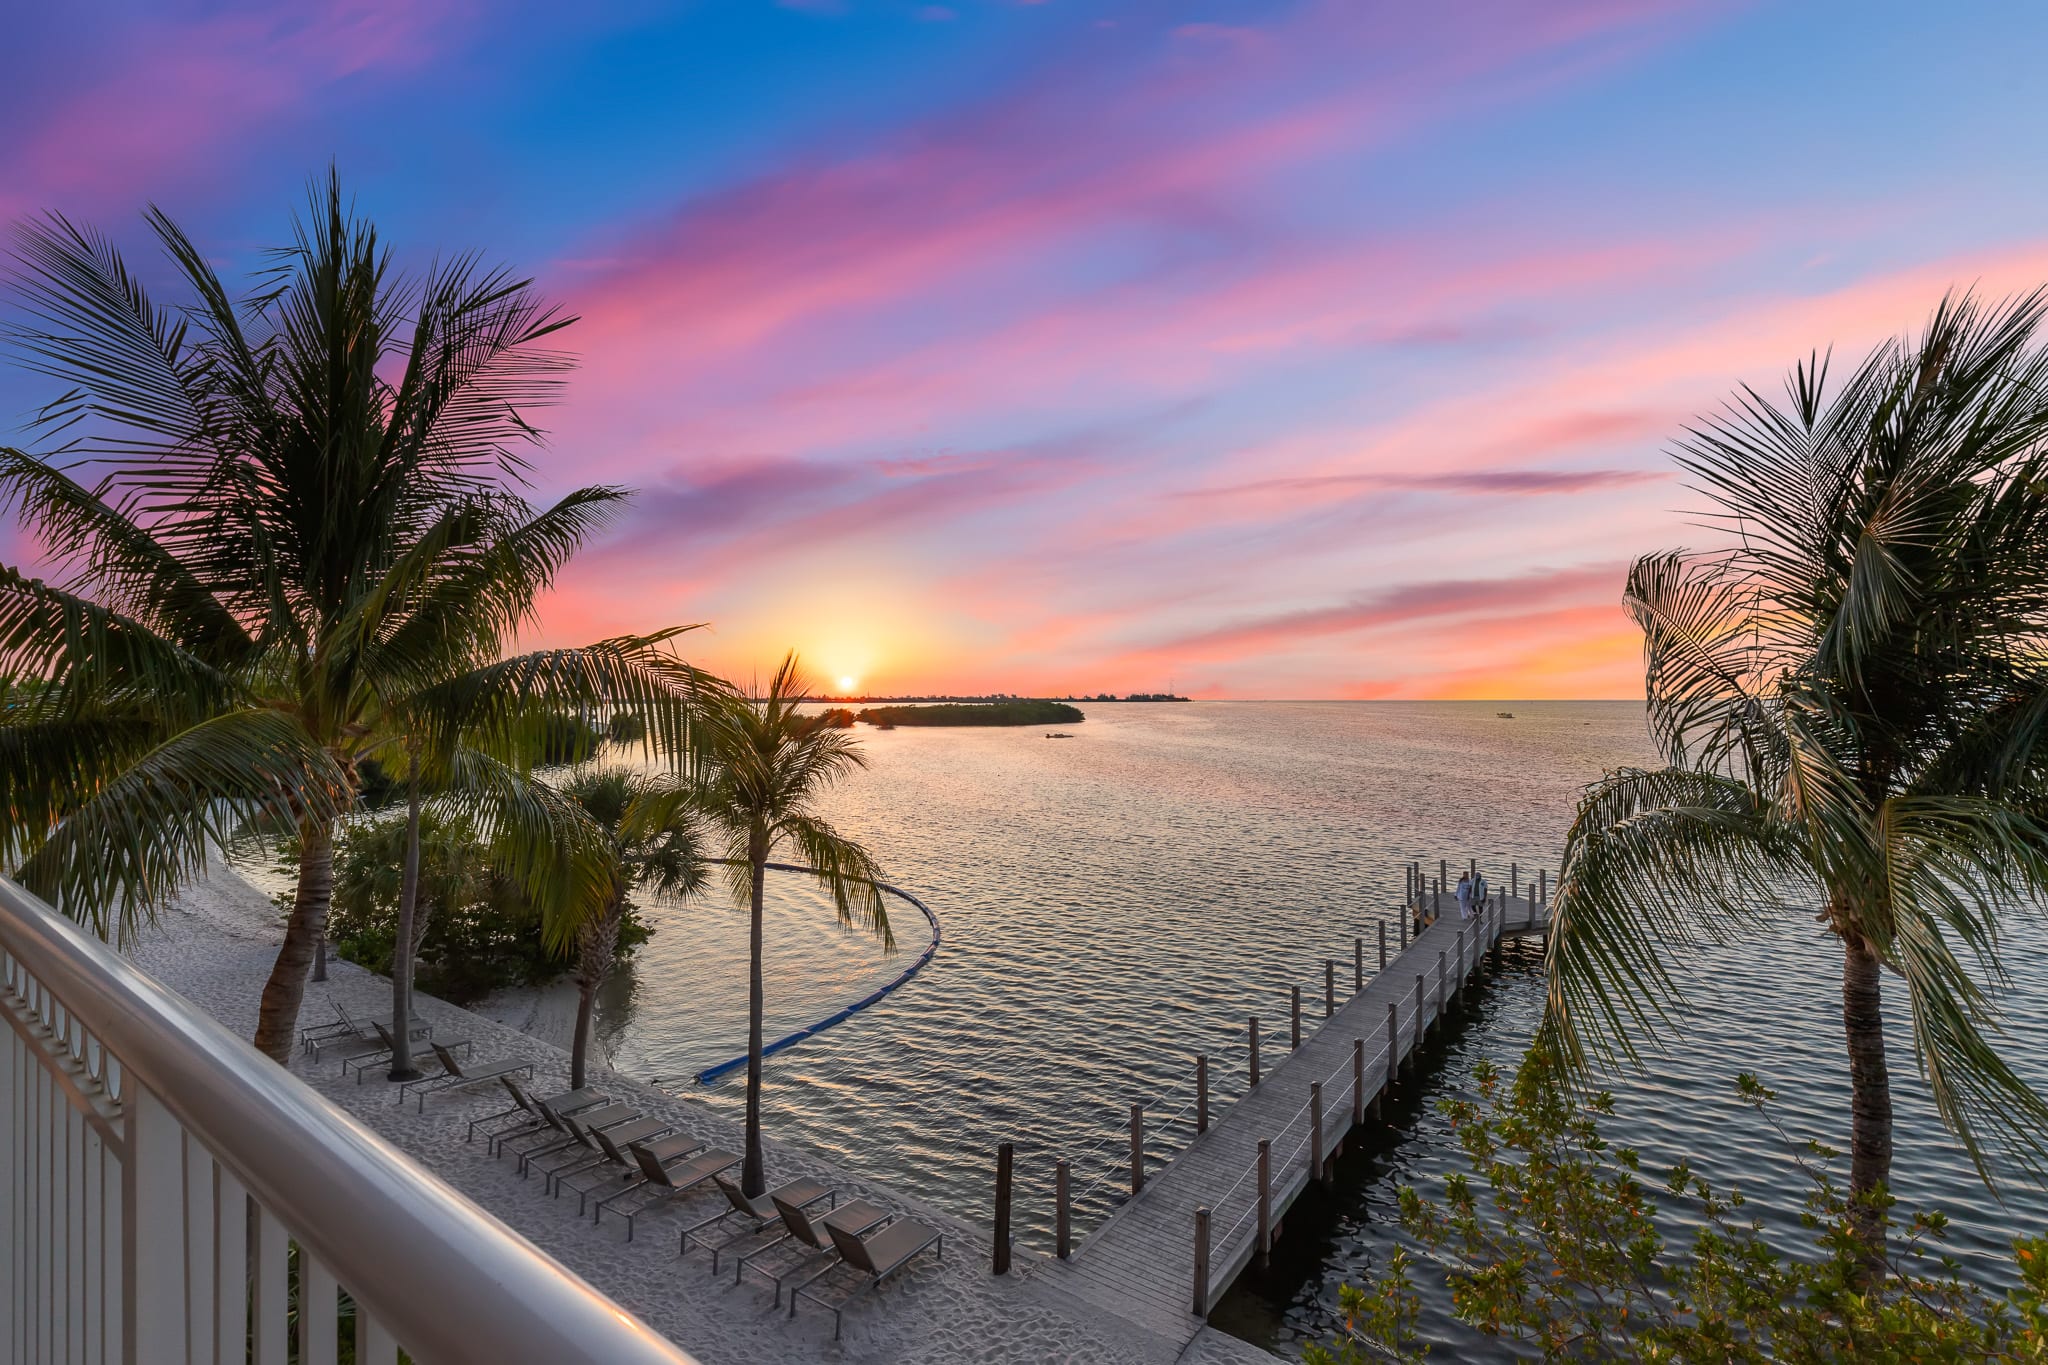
216 947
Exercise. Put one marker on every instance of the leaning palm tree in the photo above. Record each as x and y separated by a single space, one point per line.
1850 699
766 765
295 514
649 844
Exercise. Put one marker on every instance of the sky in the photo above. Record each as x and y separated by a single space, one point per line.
1330 349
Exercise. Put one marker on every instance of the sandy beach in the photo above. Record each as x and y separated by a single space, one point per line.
215 947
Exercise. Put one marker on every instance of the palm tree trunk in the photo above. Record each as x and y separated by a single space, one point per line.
402 1068
1870 1133
753 1175
600 948
278 1018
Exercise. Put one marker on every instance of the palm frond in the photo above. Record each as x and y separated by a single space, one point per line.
121 852
1656 861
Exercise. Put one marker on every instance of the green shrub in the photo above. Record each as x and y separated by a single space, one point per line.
479 933
1556 1241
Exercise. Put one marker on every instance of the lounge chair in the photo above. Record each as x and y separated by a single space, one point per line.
753 1213
808 1242
606 1153
568 1132
314 1034
582 1149
526 1108
454 1075
663 1183
381 1031
876 1258
625 1151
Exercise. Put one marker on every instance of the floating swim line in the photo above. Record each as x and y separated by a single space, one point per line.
788 1040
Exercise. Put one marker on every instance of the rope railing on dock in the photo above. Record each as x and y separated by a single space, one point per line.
1107 1160
1492 924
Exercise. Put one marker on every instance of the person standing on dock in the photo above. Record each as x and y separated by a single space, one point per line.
1479 890
1465 896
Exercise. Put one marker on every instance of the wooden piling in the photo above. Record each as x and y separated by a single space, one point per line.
1357 965
1315 1130
1393 1047
1202 1261
1062 1210
1202 1093
1357 1081
1542 889
1005 1156
1137 1148
1383 944
1329 987
1296 1043
1254 1034
1265 1244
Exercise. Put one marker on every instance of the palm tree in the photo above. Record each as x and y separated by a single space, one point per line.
766 765
298 523
1850 700
650 844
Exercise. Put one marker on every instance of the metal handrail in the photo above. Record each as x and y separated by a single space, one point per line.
450 1280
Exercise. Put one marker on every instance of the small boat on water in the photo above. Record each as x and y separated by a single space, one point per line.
1057 734
1505 715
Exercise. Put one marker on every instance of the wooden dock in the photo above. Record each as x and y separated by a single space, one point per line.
1172 1250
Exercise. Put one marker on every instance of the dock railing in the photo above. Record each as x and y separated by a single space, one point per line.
1118 1160
169 1196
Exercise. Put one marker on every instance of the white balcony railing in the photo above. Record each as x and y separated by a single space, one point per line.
169 1196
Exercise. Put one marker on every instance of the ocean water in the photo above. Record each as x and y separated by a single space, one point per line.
1117 902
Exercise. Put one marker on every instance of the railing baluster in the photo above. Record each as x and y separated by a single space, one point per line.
199 1218
231 1276
153 1247
319 1312
272 1298
374 1343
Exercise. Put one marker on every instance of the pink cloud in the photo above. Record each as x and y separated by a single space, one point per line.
1106 141
174 92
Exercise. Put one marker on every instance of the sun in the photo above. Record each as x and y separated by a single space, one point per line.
846 686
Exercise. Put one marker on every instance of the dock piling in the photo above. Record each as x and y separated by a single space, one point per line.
1296 1043
1137 1148
1265 1245
1357 965
1383 944
1329 987
1393 1046
1254 1033
1357 1081
1202 1261
1315 1130
1062 1210
1202 1093
1005 1157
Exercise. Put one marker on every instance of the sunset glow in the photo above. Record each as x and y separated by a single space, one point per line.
1297 349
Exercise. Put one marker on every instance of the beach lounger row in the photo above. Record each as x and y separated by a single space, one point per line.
584 1141
800 1236
829 1256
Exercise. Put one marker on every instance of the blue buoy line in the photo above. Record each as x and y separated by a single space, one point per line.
712 1073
